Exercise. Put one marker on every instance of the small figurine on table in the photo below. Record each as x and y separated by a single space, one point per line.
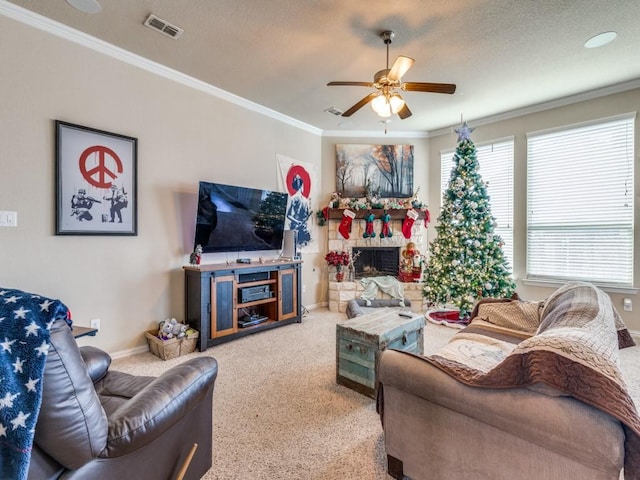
411 265
196 255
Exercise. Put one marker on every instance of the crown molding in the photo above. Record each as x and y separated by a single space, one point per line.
63 31
541 107
374 134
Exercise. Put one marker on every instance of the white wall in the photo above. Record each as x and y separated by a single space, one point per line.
184 136
518 127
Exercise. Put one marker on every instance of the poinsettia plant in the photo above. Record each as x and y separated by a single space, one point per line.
337 259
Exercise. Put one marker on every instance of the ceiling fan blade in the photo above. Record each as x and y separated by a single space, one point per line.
352 84
429 87
404 112
399 68
360 104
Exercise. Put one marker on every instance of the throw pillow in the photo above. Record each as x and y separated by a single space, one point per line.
515 315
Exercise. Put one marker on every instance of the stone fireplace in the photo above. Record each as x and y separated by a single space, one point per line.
380 256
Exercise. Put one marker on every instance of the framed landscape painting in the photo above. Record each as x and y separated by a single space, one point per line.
96 182
386 170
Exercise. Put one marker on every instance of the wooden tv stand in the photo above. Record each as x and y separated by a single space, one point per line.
217 296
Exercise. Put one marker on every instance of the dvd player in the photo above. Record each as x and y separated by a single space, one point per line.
250 320
251 294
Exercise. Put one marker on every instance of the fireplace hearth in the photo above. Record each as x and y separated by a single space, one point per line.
375 261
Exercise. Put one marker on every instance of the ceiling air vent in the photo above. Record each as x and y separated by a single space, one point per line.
163 26
334 111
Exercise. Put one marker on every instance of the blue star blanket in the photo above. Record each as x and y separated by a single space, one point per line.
25 321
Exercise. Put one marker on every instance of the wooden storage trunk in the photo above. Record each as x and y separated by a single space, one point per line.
172 348
361 340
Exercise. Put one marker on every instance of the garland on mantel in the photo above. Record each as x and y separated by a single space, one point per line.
369 203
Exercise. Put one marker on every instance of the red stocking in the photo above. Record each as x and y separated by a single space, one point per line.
427 218
368 231
345 225
407 223
386 231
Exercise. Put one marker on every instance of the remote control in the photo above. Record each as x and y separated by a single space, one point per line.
406 314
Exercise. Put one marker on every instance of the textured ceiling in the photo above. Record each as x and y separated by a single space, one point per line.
502 54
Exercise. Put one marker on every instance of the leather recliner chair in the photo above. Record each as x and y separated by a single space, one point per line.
99 424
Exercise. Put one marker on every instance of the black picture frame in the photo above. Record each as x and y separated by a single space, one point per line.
96 181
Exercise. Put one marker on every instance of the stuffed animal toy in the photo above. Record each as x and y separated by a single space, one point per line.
171 328
165 329
179 329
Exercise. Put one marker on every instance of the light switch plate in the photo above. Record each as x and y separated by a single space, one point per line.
8 219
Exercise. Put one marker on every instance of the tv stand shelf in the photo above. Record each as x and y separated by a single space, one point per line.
256 302
214 293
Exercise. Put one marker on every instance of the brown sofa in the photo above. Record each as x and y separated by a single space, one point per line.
438 428
100 424
542 409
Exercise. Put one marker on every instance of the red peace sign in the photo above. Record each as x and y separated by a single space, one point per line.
96 176
299 171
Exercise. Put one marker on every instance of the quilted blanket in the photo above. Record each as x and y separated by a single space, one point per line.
389 285
568 343
25 321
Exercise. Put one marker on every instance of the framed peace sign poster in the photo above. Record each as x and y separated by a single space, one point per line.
96 182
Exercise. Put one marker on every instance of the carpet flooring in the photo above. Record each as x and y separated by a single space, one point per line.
278 412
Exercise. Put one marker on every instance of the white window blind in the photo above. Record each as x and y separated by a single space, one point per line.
580 203
495 162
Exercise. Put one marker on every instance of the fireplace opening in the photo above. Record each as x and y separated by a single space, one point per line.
375 261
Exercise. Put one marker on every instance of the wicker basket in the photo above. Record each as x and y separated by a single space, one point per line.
172 348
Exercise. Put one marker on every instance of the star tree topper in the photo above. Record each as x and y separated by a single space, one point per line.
464 132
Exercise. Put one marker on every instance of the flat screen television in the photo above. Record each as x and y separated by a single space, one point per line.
235 219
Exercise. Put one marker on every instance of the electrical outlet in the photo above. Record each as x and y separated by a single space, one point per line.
627 305
95 323
304 288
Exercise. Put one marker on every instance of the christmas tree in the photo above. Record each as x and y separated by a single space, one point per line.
466 260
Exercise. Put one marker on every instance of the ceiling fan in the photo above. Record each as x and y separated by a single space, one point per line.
385 101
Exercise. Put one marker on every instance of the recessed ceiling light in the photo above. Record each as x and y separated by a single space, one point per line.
600 40
86 6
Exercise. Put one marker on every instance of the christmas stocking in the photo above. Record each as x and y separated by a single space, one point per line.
407 223
368 231
386 231
345 225
427 218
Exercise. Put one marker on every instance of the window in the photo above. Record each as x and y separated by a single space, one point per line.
495 162
580 202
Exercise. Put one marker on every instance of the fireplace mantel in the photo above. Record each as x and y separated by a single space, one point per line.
395 213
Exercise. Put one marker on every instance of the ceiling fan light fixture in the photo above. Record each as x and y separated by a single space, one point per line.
396 103
386 104
384 100
381 106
